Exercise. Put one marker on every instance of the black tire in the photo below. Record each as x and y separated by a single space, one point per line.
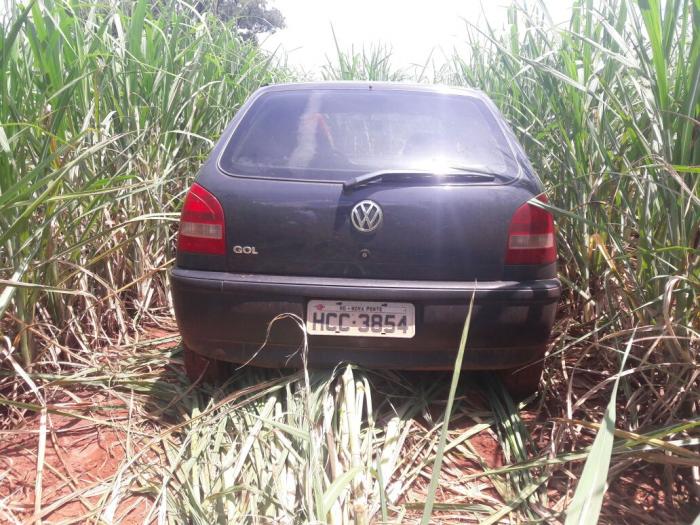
211 371
522 381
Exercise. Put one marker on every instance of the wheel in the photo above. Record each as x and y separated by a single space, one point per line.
522 381
211 371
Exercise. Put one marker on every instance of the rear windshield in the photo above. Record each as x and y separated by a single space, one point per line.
333 135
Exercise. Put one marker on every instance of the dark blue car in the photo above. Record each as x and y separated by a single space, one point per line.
370 211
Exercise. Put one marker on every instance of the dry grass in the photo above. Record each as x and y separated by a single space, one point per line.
244 452
101 132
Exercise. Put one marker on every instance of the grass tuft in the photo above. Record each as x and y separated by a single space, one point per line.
108 110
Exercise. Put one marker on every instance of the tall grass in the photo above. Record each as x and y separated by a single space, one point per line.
608 111
107 111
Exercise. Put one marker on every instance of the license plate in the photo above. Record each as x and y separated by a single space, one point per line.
360 318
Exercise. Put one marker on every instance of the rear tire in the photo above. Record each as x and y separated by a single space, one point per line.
211 371
522 381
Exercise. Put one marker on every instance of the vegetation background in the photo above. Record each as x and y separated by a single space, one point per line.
106 111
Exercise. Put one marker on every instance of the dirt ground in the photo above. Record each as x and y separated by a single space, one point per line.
83 453
81 460
82 456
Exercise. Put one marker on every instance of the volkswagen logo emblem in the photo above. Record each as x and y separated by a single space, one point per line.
366 216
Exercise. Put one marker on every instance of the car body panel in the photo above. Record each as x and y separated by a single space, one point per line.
229 316
434 232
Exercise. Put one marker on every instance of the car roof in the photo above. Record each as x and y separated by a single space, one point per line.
379 86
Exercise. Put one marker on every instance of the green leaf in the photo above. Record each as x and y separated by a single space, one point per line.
136 28
338 486
437 465
588 498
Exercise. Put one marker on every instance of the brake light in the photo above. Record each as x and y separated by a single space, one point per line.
201 223
531 235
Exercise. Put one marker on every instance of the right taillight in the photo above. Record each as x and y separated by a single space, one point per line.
531 236
202 227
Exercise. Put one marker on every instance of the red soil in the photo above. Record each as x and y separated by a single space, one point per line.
79 455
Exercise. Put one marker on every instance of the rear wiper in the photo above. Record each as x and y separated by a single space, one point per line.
408 175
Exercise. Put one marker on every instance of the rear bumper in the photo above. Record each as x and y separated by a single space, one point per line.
226 316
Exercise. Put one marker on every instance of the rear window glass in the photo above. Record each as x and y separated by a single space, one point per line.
334 135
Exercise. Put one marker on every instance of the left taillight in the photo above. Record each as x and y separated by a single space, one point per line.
202 228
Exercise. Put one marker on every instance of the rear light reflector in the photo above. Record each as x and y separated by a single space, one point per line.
206 231
531 236
202 227
530 242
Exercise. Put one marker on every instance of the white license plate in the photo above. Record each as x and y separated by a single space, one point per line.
360 318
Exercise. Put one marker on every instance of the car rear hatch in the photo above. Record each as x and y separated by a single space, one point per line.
446 186
435 232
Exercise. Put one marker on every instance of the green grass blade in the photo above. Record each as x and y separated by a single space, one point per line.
437 464
336 488
588 498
